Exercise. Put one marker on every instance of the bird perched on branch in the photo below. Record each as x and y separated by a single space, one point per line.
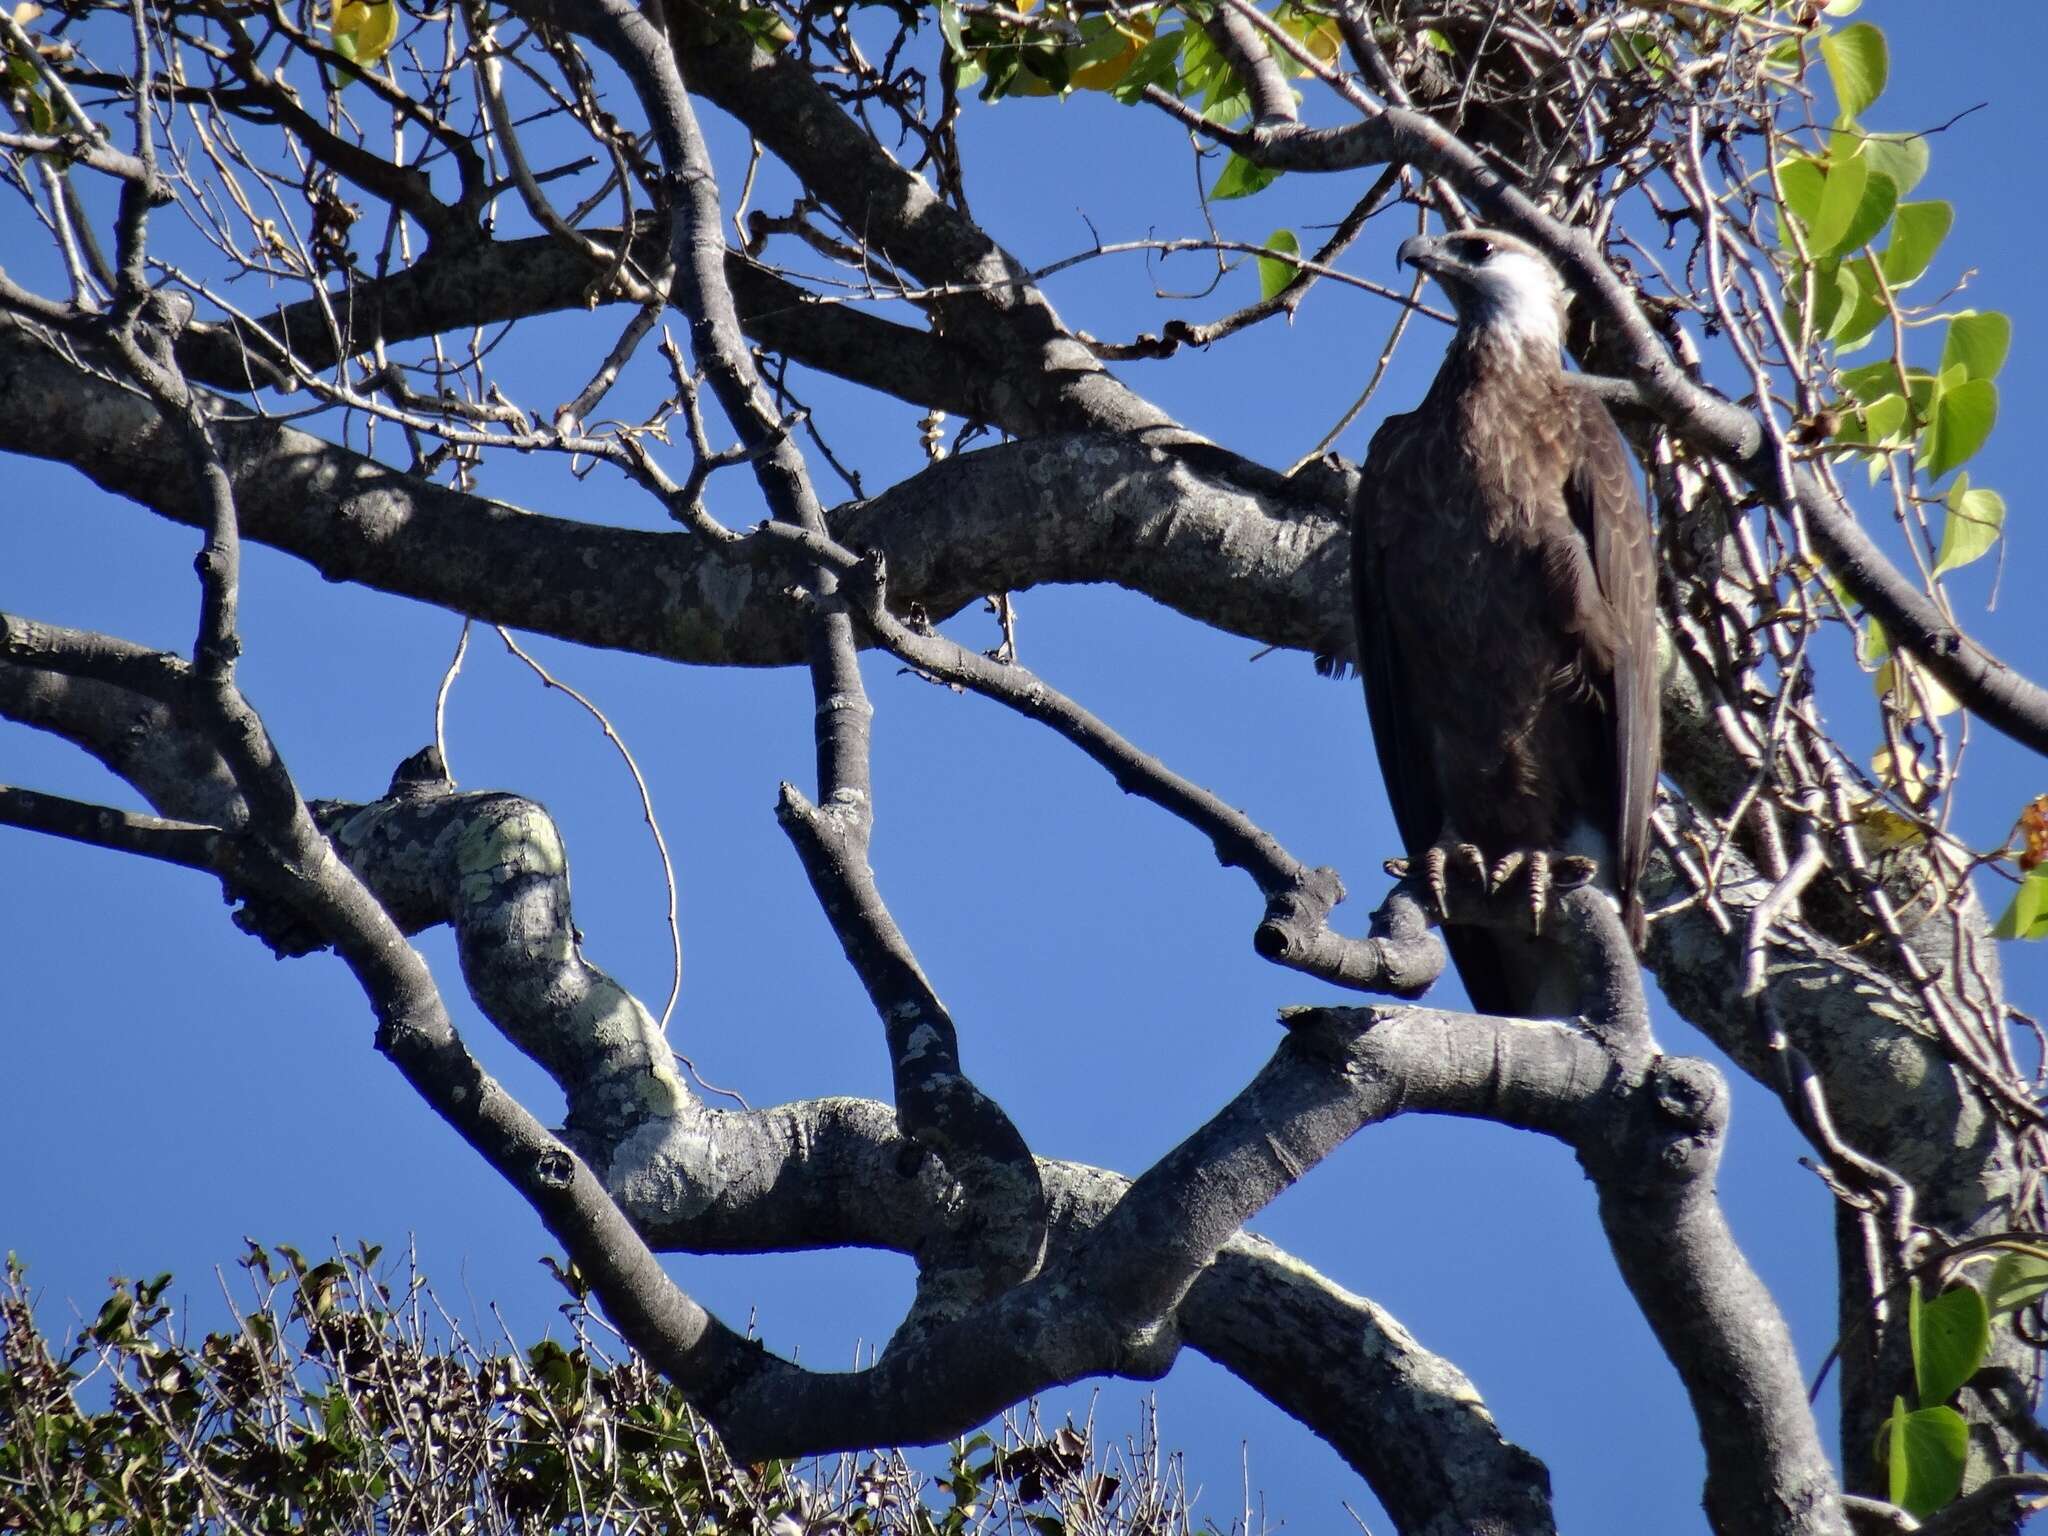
1505 586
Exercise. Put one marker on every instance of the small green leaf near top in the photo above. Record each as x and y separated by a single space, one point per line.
1275 275
1977 342
1963 412
1917 232
1975 518
1925 1453
1871 381
1801 179
1241 178
1901 156
1857 66
1157 63
113 1316
1856 201
2016 1279
1950 1335
2026 915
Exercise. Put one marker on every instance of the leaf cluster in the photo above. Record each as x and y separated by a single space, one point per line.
1924 1449
340 1402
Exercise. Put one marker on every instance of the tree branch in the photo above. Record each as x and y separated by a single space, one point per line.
1258 559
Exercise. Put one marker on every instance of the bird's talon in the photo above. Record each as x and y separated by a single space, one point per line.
1435 866
1539 888
1504 871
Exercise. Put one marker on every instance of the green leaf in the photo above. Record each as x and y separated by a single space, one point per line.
1049 64
1961 419
1901 156
1925 1456
1872 381
1855 202
949 28
1275 275
1787 54
1978 342
1107 53
1855 322
2016 1279
114 1313
1241 178
1640 50
1801 179
1857 66
1884 420
1972 526
2026 916
1156 64
1950 1335
1835 295
1917 232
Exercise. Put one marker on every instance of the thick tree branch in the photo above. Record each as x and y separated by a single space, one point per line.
1265 563
88 656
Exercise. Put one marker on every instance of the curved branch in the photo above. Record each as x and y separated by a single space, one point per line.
1260 557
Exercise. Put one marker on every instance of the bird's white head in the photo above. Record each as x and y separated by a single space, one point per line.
1500 285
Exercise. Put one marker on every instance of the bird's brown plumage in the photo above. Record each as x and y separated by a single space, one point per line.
1506 602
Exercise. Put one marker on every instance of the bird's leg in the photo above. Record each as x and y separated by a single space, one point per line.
1517 887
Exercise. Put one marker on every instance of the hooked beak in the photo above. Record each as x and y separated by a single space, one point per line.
1423 253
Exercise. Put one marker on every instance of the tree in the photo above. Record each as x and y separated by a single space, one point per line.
1734 250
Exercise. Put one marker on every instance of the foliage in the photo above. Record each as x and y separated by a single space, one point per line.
342 1401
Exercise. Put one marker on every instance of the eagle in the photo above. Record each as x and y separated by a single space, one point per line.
1505 590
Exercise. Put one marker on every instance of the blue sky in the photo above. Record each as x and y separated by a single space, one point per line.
173 1088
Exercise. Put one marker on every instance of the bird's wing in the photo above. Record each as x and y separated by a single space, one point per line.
1398 734
1394 479
1608 514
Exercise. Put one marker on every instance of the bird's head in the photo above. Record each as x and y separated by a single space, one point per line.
1499 284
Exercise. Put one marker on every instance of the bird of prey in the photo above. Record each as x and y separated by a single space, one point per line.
1505 587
